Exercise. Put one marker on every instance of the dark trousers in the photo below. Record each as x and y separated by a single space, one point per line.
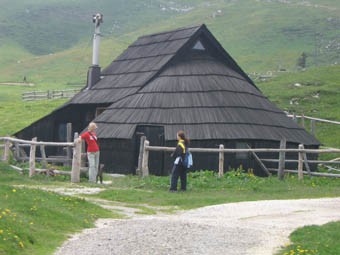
178 171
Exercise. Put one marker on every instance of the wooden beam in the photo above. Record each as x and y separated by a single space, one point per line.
43 156
305 161
145 161
68 139
32 157
264 168
312 127
35 142
140 156
300 164
5 157
76 162
282 159
316 151
221 161
305 172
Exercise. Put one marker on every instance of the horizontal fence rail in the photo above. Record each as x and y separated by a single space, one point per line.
302 160
317 151
29 143
315 119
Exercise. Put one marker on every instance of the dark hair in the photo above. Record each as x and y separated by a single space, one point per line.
182 136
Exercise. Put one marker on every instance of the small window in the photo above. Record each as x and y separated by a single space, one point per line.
198 46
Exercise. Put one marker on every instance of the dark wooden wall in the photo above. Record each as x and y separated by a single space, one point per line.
121 156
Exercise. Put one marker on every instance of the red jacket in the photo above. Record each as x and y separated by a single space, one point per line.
91 141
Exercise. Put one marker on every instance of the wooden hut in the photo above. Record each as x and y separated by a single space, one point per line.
176 80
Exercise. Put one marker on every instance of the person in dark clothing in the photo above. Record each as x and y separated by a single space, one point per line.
179 170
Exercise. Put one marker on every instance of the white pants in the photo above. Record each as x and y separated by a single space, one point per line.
93 158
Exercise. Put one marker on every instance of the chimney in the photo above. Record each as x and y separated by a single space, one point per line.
93 74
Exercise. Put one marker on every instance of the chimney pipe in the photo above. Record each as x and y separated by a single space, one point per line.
93 74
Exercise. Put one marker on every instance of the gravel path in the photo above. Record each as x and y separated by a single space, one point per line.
238 228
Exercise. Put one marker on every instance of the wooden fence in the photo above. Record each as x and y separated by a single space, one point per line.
143 161
50 94
75 146
312 120
145 148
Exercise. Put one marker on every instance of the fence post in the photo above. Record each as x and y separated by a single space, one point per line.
76 161
32 157
305 160
17 152
68 139
303 120
221 161
312 127
140 157
294 117
43 156
145 160
6 151
282 159
300 164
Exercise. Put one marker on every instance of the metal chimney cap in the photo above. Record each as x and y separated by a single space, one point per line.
97 18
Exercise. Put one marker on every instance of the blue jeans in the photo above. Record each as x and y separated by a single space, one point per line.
93 158
181 172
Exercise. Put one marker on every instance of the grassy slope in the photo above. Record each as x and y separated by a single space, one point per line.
322 80
33 221
260 35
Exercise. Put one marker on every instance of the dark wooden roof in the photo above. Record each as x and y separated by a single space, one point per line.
135 66
207 99
160 80
184 79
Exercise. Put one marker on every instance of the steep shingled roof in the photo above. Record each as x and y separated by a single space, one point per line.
135 66
163 80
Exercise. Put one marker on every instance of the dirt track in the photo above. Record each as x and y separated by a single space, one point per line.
238 228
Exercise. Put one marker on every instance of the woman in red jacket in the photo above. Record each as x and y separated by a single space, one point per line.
92 150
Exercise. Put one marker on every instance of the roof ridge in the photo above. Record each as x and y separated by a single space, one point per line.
171 31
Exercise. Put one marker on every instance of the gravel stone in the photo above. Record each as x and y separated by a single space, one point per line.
256 228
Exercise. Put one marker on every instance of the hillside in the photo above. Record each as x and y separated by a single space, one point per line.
50 41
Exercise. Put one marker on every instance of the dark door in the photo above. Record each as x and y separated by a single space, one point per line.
155 135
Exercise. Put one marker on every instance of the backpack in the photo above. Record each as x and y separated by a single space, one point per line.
187 161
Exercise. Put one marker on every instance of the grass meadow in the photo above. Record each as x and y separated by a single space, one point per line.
36 221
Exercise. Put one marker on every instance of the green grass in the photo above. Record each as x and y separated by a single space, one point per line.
17 114
321 240
205 188
33 221
323 80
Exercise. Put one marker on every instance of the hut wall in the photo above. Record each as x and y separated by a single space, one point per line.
121 156
118 155
52 128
